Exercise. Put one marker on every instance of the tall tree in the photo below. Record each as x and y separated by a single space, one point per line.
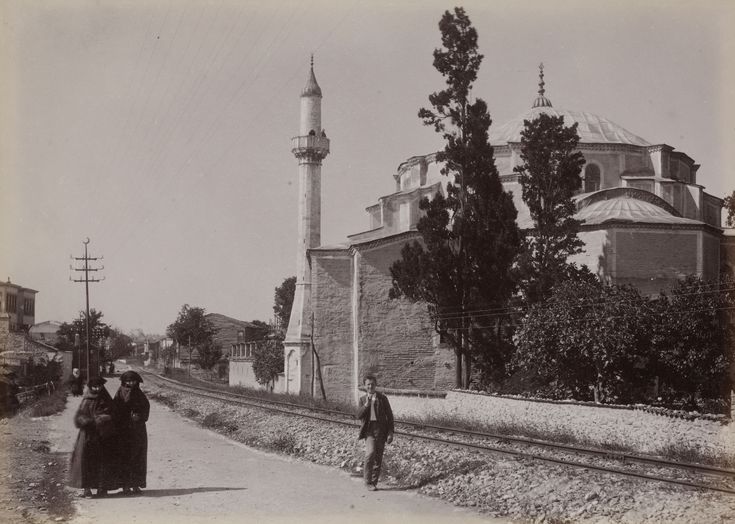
283 301
549 178
194 330
470 237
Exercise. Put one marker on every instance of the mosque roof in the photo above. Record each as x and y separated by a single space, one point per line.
623 208
592 129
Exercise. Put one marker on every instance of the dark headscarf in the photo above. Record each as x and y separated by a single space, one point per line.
131 376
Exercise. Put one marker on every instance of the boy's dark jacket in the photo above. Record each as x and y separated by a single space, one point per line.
382 411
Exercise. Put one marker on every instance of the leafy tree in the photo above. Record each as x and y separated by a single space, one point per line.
209 354
284 301
588 337
729 203
689 338
268 360
469 236
549 177
194 330
69 332
120 344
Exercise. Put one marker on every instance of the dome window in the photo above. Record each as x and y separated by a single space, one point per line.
591 178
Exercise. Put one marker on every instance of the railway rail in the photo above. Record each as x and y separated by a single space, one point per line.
698 476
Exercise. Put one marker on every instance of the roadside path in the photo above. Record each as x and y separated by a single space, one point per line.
197 476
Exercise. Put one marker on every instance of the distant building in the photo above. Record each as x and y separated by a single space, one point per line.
18 352
233 334
45 332
19 303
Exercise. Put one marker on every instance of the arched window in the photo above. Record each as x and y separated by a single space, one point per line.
591 178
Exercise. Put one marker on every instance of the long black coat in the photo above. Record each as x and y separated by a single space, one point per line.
76 385
132 436
383 413
93 461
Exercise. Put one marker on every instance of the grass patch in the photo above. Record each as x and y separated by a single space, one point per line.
509 429
282 443
190 413
162 398
48 405
682 453
218 421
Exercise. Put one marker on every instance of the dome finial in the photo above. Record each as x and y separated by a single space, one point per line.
541 100
540 75
312 60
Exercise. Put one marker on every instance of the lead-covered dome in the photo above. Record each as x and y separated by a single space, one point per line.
592 129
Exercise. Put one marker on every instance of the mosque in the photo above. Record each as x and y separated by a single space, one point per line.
645 222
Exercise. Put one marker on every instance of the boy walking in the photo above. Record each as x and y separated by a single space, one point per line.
377 429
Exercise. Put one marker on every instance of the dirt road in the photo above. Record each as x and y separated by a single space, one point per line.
197 476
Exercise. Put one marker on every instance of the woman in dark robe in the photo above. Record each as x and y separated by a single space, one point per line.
93 458
133 409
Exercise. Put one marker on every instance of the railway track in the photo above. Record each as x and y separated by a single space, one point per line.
655 469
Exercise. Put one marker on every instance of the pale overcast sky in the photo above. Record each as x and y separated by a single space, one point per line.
161 129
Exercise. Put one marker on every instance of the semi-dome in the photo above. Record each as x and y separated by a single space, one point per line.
621 207
592 129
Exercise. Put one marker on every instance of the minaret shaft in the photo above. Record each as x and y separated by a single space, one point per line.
310 148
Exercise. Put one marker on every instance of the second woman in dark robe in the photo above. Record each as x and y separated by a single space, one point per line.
132 408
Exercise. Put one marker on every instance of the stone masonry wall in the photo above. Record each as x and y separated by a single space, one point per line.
395 337
331 298
639 430
653 260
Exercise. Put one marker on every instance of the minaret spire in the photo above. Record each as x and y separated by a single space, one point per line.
541 100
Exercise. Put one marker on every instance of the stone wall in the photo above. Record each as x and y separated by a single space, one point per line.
241 374
652 260
636 429
396 338
331 299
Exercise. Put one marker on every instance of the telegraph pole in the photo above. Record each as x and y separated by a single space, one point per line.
86 259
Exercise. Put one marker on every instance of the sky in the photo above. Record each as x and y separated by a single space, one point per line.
160 129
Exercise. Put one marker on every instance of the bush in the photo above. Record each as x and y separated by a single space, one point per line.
49 404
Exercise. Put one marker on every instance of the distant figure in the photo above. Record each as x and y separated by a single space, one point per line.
377 429
132 408
76 383
93 458
112 368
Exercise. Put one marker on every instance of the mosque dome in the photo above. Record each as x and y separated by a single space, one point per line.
592 129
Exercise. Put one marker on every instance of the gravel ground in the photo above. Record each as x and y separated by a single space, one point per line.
32 477
519 489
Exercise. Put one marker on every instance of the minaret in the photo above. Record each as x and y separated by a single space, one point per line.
310 148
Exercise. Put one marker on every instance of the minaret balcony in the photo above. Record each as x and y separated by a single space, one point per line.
310 146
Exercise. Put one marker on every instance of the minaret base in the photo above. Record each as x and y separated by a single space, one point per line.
298 370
